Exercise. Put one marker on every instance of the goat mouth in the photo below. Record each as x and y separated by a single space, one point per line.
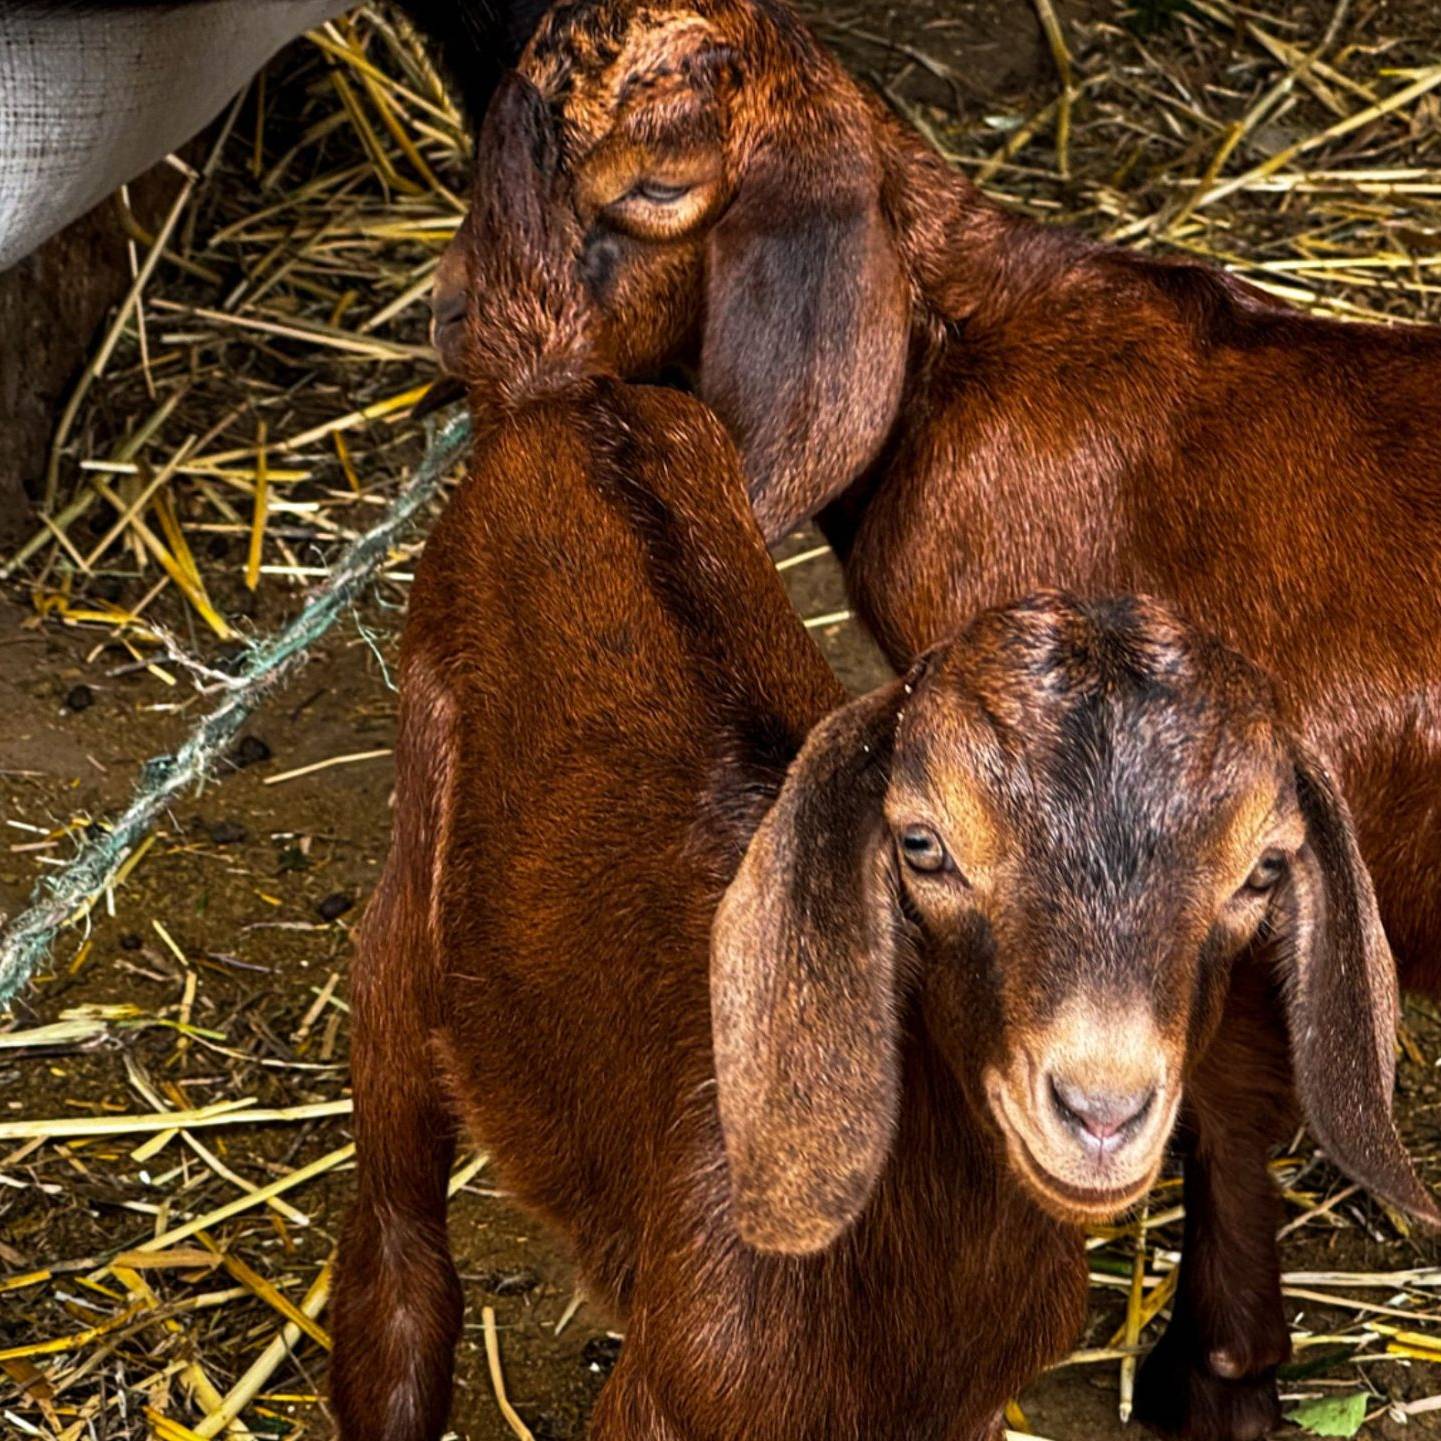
1099 1203
1065 1199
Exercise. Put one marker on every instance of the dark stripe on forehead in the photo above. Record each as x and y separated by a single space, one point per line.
1115 645
576 35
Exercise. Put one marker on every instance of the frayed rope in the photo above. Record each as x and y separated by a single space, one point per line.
68 896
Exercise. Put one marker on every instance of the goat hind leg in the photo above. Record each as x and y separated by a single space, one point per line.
396 1321
627 1409
397 1310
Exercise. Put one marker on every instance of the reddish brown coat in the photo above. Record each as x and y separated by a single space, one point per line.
594 715
1065 414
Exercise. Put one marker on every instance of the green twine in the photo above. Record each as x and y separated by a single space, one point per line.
68 895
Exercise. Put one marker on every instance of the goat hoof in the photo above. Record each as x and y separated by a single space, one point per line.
1178 1398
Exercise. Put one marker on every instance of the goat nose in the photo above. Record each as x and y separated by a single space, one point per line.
446 307
1104 1118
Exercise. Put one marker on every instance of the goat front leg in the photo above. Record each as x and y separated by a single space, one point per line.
1212 1376
627 1409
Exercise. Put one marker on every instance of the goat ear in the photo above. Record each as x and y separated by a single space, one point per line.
803 1005
1343 999
521 311
518 156
807 327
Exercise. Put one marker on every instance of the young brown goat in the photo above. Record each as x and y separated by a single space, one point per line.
808 1023
987 405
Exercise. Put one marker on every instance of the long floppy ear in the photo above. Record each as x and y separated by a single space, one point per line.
522 311
803 1005
1343 999
807 324
515 227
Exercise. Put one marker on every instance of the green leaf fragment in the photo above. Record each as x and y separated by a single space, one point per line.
1331 1415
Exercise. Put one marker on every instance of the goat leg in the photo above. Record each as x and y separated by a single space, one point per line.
397 1309
1213 1374
627 1409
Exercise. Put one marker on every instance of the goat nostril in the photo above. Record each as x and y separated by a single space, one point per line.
1102 1116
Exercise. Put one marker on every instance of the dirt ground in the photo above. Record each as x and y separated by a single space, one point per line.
236 922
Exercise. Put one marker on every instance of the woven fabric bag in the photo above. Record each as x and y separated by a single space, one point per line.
92 97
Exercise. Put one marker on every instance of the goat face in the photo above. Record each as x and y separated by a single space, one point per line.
1043 851
636 97
722 167
1090 810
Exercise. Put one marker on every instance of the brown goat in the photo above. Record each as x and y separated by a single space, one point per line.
808 1023
978 405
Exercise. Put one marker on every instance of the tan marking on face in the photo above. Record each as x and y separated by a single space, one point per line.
1095 1048
1109 1046
971 821
614 166
593 89
1241 842
952 799
1254 827
656 46
958 812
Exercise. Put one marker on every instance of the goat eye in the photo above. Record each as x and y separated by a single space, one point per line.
658 192
923 850
1266 874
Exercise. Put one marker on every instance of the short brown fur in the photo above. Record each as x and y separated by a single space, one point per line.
976 405
654 928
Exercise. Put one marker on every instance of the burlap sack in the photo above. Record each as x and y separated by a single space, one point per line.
91 98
